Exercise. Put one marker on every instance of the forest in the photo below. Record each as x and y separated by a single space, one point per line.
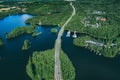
105 48
68 70
22 30
44 13
100 21
41 66
49 13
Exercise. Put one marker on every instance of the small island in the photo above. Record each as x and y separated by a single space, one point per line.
54 30
20 31
35 34
1 42
26 45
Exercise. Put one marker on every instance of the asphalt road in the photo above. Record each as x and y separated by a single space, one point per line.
58 73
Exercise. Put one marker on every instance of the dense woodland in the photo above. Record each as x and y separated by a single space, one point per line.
22 30
68 70
49 13
99 20
45 13
105 48
41 66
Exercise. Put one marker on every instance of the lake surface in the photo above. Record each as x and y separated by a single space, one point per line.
13 60
90 66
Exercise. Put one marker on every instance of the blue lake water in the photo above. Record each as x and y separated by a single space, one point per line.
90 66
13 60
8 23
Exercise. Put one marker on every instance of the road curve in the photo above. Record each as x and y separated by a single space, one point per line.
58 73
